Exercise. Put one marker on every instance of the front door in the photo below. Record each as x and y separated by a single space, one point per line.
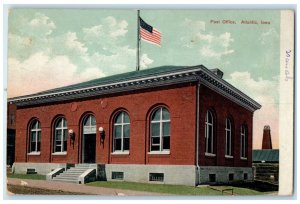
89 148
89 140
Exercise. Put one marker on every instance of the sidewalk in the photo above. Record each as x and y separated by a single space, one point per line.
78 188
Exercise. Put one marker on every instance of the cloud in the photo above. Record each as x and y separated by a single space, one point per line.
264 92
106 32
50 61
209 45
145 61
121 59
73 43
40 72
42 22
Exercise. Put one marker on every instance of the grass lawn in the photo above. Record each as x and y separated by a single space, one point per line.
174 189
27 176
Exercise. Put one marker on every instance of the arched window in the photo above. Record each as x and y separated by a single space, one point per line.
209 133
160 130
121 132
89 125
35 136
228 139
60 135
244 141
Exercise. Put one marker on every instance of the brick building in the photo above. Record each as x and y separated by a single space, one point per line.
176 125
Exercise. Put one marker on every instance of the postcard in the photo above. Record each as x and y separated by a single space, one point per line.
150 102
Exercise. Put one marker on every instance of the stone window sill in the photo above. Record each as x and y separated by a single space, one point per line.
228 157
210 154
59 153
34 153
159 152
243 158
120 153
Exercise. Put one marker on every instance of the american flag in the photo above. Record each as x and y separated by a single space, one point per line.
149 34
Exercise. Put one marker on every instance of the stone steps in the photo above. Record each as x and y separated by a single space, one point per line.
72 174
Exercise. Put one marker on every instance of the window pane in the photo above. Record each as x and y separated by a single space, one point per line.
208 117
210 139
93 120
117 144
166 143
155 129
126 143
39 136
58 123
33 136
154 148
38 146
118 130
65 123
166 128
228 152
34 124
126 118
58 147
32 147
155 140
58 135
65 146
165 114
87 121
119 118
65 131
210 131
126 130
228 124
209 145
156 115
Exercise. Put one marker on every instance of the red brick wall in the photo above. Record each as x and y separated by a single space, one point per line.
11 116
222 108
180 101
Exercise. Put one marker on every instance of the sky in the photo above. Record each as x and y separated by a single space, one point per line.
49 48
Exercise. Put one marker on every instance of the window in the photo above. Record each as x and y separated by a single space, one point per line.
156 177
60 135
117 175
209 134
212 177
121 132
228 139
30 171
35 136
243 141
160 130
245 176
89 125
230 177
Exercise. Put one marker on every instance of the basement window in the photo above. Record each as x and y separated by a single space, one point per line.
245 176
31 171
117 175
230 177
156 177
212 178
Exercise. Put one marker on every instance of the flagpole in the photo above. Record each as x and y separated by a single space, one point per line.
138 42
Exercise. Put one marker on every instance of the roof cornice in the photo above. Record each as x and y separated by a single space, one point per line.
192 74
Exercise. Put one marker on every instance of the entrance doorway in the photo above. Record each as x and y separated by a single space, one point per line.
89 148
89 140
